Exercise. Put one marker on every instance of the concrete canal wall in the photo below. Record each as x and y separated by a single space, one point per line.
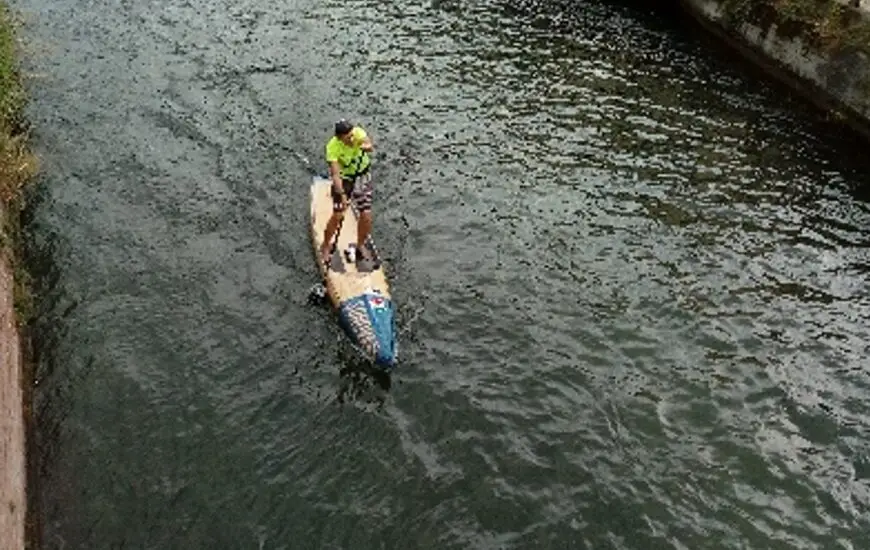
819 47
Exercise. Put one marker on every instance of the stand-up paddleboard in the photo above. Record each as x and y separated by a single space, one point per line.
357 289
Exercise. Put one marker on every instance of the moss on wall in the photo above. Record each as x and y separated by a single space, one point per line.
17 164
829 25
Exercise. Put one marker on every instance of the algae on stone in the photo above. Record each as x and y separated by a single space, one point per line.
829 25
17 164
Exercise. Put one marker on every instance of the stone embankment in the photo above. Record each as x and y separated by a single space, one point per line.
12 442
16 168
819 47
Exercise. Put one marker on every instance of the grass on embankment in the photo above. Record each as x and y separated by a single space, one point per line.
830 25
17 164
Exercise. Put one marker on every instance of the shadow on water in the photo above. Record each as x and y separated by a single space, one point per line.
51 405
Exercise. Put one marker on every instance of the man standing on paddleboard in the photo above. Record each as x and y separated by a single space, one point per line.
349 164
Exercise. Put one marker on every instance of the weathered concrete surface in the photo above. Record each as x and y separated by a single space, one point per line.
13 502
835 78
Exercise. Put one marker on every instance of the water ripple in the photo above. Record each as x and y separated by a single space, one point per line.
637 279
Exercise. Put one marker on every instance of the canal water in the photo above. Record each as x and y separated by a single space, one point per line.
631 280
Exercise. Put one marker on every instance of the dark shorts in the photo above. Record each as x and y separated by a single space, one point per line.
358 190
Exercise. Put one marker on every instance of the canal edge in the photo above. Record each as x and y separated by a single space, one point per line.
18 528
827 71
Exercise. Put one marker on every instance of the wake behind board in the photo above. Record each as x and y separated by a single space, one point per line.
357 290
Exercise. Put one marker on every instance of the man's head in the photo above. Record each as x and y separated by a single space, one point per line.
343 131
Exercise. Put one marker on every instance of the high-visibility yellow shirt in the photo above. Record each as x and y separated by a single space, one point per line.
351 158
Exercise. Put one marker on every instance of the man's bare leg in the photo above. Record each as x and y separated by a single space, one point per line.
328 234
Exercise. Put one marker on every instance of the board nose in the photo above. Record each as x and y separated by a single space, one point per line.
370 321
383 320
386 356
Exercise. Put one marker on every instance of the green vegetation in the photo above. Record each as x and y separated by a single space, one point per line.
17 164
831 25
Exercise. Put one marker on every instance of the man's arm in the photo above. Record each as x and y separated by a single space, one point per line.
335 173
362 137
334 167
